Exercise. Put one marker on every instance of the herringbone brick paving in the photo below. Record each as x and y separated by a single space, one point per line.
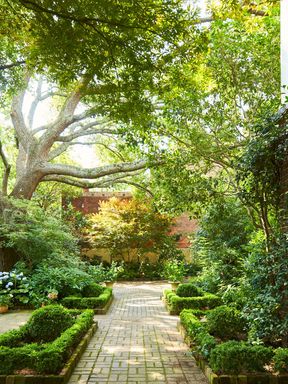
137 343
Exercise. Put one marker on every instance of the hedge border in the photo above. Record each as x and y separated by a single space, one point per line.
213 378
97 310
105 309
66 371
168 293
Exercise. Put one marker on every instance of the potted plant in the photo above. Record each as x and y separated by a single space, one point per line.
112 273
174 272
4 302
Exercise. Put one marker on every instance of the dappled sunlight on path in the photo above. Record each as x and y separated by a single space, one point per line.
137 342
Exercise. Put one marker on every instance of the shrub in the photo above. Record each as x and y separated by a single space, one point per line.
234 357
205 343
220 243
188 290
64 280
226 322
87 302
45 358
47 323
197 331
92 290
14 337
191 323
37 236
174 270
176 303
281 360
97 272
112 272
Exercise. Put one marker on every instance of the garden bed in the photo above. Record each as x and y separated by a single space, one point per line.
99 304
24 360
201 343
175 303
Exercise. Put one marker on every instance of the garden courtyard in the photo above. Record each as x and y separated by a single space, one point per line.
137 341
144 191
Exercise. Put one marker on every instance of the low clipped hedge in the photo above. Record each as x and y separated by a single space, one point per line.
92 290
230 357
88 302
189 290
281 360
227 323
197 331
18 352
176 303
234 357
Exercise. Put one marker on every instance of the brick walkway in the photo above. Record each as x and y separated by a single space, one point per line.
137 342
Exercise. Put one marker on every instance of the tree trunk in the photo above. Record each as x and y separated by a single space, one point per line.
26 185
8 257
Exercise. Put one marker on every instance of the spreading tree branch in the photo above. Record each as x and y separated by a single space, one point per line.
95 173
36 7
137 185
65 117
3 67
35 103
17 117
103 183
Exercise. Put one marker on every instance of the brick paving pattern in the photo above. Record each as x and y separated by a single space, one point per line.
137 343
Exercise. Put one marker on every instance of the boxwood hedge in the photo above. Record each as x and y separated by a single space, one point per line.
87 302
17 352
176 303
231 357
234 357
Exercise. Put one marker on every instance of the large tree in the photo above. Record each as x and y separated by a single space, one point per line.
39 147
118 42
108 56
212 111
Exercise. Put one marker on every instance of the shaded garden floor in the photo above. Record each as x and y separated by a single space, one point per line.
13 319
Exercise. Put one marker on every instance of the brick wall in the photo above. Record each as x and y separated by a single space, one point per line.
89 203
185 227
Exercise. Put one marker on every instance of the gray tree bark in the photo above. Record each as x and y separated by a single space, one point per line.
39 146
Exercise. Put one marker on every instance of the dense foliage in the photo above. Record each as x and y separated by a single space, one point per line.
129 225
120 42
35 236
220 244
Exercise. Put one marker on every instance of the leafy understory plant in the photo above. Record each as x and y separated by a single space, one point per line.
174 270
112 273
14 286
5 300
